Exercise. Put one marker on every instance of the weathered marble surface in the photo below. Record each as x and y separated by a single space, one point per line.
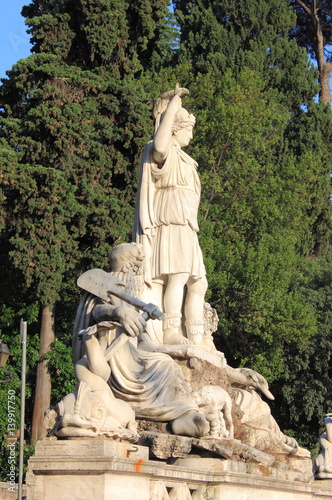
150 383
118 376
216 403
143 336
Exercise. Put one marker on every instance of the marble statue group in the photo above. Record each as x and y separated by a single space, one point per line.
144 319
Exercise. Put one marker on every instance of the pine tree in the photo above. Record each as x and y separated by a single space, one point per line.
313 31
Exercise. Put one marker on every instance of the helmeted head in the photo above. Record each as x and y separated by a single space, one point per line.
183 118
182 130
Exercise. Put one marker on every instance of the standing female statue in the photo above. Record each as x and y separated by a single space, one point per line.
166 221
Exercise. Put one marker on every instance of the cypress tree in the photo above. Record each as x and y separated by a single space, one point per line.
74 119
218 35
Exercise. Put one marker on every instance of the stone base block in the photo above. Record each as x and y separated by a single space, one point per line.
101 469
10 492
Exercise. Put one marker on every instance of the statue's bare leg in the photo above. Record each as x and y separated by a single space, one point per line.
93 369
173 299
228 418
192 424
194 309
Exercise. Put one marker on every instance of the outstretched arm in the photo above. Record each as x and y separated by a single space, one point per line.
94 363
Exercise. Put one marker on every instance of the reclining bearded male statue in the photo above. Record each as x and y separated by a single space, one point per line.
118 381
150 383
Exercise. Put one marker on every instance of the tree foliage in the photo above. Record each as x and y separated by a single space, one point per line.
263 146
254 34
253 219
74 117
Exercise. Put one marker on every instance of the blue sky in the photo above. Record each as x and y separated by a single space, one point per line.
14 41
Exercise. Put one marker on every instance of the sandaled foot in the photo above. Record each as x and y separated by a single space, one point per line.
174 338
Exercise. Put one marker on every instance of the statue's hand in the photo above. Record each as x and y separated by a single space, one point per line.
98 330
131 321
257 381
163 102
175 104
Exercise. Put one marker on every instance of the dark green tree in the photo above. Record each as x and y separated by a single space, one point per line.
73 120
236 34
253 219
263 146
302 391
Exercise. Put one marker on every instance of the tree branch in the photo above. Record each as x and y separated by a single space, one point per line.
305 7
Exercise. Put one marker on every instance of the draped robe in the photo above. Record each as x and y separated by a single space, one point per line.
166 215
151 383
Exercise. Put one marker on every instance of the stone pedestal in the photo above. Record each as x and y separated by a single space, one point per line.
101 469
87 469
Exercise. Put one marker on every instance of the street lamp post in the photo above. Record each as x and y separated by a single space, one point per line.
23 338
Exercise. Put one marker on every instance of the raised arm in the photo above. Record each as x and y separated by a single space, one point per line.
163 135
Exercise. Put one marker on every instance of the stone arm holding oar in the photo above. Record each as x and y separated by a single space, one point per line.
130 321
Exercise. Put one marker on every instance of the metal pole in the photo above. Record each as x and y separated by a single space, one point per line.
23 336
